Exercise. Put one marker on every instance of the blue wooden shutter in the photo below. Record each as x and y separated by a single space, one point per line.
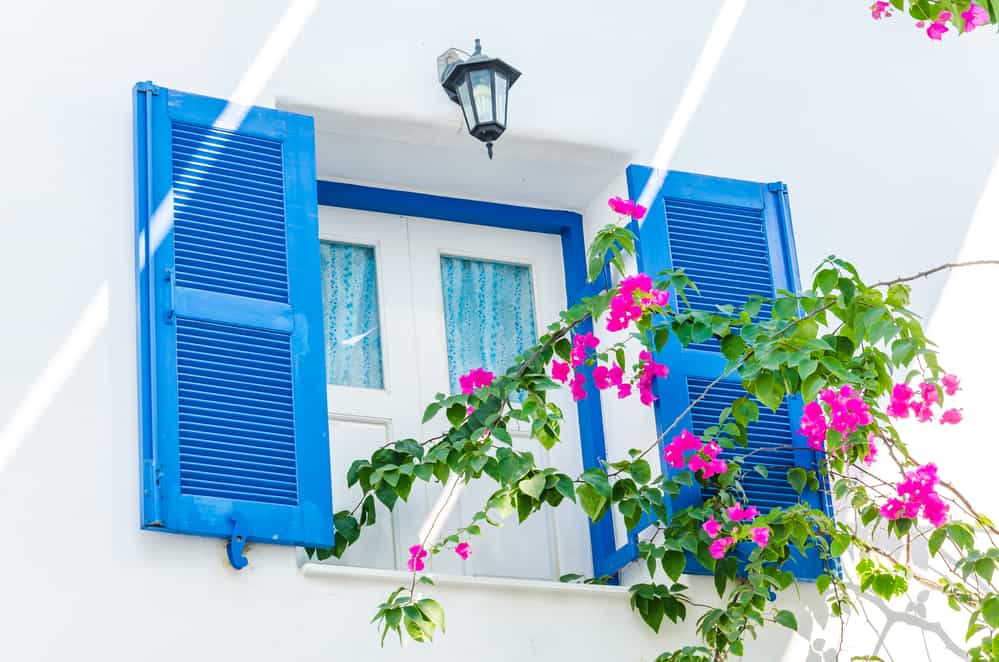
733 239
232 368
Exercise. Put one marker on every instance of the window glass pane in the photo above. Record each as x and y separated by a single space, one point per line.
501 98
483 92
350 303
466 104
488 314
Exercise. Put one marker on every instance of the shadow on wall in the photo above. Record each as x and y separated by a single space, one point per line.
889 629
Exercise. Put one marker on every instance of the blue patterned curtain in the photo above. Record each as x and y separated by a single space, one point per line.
350 302
488 314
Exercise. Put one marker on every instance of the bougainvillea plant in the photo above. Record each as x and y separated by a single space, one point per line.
939 18
852 350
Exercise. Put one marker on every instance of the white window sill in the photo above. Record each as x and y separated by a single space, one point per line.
324 571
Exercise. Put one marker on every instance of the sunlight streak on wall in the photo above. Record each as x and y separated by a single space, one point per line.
714 47
77 345
245 94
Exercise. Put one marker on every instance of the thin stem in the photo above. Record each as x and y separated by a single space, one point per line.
930 272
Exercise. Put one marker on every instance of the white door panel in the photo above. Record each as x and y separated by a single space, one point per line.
530 549
363 419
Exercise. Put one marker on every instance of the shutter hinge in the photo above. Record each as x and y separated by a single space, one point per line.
171 278
777 186
237 542
147 86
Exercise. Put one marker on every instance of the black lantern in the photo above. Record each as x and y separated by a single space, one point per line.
480 85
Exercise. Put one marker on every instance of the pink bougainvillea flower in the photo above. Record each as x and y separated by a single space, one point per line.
720 546
578 387
952 416
951 384
937 30
918 493
901 394
469 410
650 369
623 391
634 294
761 535
714 468
560 371
580 343
878 9
627 207
920 24
737 513
620 206
975 17
921 410
712 527
892 509
929 393
674 452
847 411
464 550
872 450
476 378
416 556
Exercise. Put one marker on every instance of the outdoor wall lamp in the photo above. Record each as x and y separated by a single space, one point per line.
480 85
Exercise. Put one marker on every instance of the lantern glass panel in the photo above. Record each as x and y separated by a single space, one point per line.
466 103
501 98
482 91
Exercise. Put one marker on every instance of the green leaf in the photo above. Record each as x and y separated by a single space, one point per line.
822 583
797 478
433 611
565 487
810 389
732 347
597 479
503 435
660 338
787 619
563 348
840 544
368 514
936 540
640 471
902 351
533 486
354 473
347 526
591 501
652 613
807 329
456 413
431 411
826 280
674 563
990 611
785 307
962 536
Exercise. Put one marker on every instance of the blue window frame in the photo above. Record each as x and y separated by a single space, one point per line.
734 239
233 422
567 225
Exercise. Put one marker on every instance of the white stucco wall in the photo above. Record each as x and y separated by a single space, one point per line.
886 141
